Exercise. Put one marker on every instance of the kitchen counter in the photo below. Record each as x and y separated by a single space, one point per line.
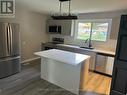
66 69
94 50
51 45
77 49
63 56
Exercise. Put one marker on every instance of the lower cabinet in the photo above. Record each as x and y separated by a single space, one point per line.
92 57
104 63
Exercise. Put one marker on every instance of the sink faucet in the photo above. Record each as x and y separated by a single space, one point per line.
88 41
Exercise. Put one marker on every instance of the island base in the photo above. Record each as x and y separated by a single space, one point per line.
66 76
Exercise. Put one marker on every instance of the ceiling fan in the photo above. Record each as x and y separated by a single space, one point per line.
68 15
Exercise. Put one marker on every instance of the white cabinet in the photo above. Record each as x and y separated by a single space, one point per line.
66 26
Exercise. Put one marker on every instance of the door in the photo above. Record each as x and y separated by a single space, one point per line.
14 39
4 43
119 80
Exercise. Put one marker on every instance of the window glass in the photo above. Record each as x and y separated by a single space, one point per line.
84 30
98 30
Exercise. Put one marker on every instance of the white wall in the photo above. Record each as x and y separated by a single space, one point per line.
32 30
110 44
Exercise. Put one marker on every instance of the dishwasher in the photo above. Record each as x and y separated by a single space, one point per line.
104 64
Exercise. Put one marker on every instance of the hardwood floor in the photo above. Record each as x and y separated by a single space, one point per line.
28 82
98 83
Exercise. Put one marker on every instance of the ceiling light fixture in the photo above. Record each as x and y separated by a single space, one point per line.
64 16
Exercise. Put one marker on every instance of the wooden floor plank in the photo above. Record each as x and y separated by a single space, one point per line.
98 83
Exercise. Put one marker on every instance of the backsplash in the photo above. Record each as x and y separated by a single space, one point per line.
108 45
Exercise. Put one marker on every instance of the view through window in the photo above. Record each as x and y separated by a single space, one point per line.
98 30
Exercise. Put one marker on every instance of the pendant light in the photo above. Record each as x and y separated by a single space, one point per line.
67 16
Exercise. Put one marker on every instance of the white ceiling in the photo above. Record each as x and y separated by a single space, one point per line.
77 6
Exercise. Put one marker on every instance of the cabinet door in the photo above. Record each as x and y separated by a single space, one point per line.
92 57
115 28
119 80
67 27
101 62
104 63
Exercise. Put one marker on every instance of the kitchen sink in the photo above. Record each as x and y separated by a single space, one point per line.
87 47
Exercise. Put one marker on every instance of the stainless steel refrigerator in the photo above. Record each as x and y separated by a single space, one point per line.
9 49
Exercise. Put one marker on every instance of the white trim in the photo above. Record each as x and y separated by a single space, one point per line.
28 60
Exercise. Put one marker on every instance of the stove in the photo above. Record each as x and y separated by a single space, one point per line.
57 40
53 44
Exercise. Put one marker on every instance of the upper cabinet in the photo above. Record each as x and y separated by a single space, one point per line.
62 27
115 28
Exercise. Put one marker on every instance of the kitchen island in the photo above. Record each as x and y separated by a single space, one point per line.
65 69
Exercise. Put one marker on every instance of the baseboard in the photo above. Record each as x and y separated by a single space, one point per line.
102 73
29 60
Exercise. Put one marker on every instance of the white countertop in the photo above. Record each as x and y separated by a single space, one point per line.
94 50
63 56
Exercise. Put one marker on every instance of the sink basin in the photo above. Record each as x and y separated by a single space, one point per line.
87 47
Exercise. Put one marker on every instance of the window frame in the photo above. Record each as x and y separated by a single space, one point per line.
109 21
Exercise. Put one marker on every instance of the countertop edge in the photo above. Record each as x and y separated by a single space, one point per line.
92 50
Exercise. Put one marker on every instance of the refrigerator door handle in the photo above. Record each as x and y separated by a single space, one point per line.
9 59
10 34
7 39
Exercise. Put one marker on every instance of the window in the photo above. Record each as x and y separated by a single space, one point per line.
98 30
